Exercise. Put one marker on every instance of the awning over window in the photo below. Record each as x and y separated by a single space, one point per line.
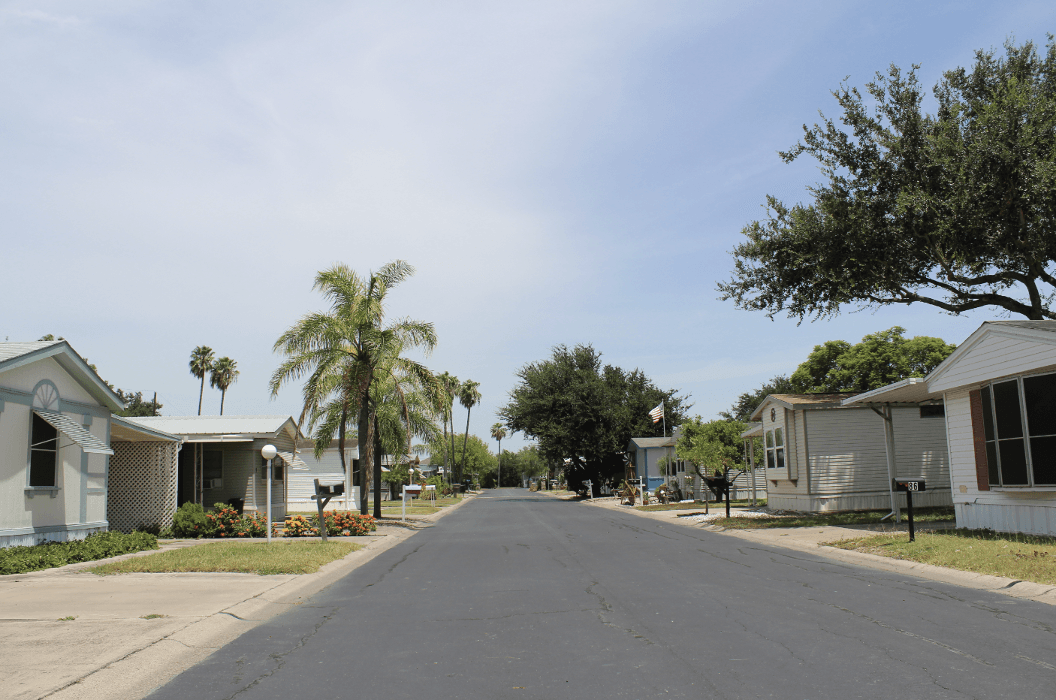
88 442
294 463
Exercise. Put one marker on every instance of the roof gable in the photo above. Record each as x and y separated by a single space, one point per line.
799 402
997 349
13 355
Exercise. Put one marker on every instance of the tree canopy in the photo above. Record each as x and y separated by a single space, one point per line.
712 446
880 359
955 210
580 410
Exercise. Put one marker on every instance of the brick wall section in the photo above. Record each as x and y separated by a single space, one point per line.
982 475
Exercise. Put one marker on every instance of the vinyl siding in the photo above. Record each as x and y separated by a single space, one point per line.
74 511
993 357
847 453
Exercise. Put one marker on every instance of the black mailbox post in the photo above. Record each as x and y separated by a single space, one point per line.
909 487
720 486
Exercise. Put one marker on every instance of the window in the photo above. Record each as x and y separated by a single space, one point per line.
277 465
212 466
1019 427
937 410
775 449
43 453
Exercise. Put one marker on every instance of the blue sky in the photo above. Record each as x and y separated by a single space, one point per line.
174 174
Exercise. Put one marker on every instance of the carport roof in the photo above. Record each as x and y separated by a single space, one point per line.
913 390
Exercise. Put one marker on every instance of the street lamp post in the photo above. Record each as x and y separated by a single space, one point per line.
268 452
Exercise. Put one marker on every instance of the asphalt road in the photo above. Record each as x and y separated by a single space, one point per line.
522 596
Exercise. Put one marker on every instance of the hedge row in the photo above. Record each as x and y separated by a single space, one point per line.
19 560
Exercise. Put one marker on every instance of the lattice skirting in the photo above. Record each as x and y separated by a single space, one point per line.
142 485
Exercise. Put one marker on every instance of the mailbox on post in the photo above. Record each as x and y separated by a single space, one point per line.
909 487
323 494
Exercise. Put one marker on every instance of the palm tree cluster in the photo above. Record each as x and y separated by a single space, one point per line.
355 373
358 381
223 372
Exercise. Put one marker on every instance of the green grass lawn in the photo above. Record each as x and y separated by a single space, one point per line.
920 515
293 557
1014 556
699 505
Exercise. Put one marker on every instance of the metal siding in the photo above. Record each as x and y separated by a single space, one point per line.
847 453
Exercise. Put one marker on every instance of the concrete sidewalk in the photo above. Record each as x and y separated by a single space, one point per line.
812 539
115 647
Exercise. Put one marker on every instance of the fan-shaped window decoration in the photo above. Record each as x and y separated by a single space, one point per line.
46 396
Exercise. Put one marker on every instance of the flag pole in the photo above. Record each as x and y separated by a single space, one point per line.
664 415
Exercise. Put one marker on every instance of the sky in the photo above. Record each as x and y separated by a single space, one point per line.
175 174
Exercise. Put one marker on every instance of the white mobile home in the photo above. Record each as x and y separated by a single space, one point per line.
999 388
54 444
220 461
822 455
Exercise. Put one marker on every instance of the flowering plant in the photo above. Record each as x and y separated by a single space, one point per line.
299 526
347 523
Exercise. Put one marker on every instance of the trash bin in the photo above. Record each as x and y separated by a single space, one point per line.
238 504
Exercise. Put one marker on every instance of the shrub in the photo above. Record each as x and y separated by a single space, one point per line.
347 523
299 526
17 560
254 525
190 521
223 521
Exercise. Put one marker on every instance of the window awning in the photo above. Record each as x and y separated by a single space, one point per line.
88 442
294 463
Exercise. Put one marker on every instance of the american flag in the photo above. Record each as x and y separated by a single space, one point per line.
657 413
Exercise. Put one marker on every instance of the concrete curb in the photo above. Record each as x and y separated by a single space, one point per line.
784 538
147 668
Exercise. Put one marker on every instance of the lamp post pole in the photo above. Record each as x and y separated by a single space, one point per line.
268 452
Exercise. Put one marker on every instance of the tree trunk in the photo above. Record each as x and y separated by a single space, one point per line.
366 451
447 462
377 469
465 439
201 393
223 393
451 417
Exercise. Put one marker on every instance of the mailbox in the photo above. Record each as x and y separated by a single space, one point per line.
413 488
909 485
332 490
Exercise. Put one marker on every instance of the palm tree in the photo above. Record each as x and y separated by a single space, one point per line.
222 375
468 396
201 363
499 432
449 384
343 352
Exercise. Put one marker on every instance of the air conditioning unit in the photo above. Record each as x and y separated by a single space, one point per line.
214 483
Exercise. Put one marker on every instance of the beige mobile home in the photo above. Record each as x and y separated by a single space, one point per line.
54 444
820 455
999 388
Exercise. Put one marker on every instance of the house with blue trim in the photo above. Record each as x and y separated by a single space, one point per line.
55 419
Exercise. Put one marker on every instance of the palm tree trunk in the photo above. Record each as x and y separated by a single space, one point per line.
201 393
223 393
447 462
366 451
465 439
498 480
451 417
377 469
